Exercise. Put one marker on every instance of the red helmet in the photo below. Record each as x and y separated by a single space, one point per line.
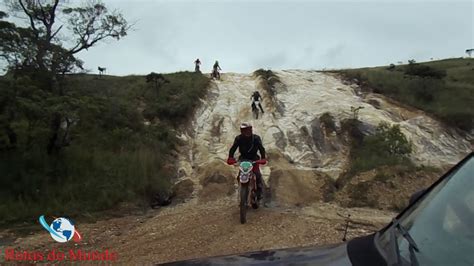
246 129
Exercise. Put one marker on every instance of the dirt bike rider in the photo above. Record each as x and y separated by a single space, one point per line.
256 97
197 64
215 68
248 144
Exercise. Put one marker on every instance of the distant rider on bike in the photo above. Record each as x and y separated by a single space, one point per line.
215 70
256 97
197 63
248 144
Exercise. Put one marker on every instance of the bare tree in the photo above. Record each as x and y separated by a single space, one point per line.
53 31
59 30
157 79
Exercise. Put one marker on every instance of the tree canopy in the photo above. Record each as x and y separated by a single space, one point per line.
54 31
39 43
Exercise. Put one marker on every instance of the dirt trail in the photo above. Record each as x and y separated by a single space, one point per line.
191 231
215 230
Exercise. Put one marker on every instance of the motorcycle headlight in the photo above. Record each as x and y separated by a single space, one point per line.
244 177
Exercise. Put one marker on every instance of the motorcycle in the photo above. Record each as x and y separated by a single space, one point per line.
255 109
215 74
247 187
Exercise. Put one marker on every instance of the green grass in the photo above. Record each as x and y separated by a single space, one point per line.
449 97
112 157
79 182
387 147
171 102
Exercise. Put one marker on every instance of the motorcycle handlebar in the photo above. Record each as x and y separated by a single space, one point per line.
259 162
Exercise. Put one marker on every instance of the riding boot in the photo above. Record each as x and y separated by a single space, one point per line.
259 185
259 192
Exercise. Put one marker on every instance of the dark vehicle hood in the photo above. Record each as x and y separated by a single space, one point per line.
312 255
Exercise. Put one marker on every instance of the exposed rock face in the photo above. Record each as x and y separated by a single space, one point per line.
217 181
315 106
306 128
183 190
298 187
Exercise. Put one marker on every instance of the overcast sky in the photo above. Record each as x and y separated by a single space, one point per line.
247 35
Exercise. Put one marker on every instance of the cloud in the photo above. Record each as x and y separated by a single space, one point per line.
333 55
272 60
245 35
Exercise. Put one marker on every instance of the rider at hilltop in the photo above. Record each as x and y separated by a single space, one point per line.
256 97
248 144
215 69
216 66
197 63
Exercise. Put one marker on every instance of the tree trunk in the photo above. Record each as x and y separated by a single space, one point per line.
12 137
55 126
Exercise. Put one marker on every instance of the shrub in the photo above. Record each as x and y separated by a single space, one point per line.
442 88
425 71
110 157
388 146
328 121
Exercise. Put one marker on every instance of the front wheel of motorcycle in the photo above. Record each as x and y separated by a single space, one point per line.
255 114
254 201
243 202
